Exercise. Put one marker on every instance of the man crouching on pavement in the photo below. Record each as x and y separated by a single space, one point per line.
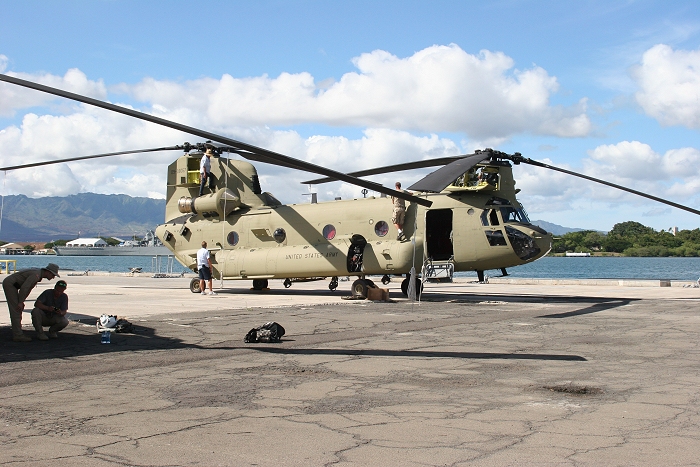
50 310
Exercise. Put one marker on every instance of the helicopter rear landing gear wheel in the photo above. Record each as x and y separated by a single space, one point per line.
194 286
359 288
334 283
287 283
259 284
419 287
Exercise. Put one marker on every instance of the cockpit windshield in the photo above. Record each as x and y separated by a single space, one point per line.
511 214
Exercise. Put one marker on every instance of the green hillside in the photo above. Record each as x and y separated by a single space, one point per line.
630 239
90 214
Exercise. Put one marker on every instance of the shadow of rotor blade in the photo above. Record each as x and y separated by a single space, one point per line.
278 159
439 180
418 354
598 307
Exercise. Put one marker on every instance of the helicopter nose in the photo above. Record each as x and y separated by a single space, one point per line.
544 242
529 242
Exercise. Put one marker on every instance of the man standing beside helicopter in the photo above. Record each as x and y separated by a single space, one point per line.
399 214
205 172
204 268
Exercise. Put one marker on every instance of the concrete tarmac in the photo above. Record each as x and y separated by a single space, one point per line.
474 374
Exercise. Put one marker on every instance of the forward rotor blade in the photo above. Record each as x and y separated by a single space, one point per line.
278 159
266 160
603 182
437 181
82 158
390 168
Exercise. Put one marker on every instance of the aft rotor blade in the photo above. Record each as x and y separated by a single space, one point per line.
439 180
390 168
603 182
278 159
82 158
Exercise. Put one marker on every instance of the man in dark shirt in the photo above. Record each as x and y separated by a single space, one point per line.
50 310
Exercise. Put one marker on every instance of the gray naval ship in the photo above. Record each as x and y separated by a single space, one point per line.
150 245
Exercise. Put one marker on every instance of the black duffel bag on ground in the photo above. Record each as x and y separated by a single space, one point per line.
268 332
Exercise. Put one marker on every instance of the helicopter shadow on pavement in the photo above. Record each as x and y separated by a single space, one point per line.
80 341
320 292
592 304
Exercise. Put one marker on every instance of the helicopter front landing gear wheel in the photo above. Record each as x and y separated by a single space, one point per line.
287 283
419 287
334 283
359 288
194 286
259 284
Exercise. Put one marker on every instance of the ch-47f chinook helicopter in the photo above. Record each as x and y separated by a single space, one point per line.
463 216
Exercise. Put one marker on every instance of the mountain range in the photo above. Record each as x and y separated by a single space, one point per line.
24 219
556 229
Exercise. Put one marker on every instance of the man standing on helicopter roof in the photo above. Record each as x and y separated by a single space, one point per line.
205 172
399 214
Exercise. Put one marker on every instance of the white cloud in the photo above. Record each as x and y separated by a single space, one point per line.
440 88
674 175
634 161
41 181
93 131
13 97
628 159
669 83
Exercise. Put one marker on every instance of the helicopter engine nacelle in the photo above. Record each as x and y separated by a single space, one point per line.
222 202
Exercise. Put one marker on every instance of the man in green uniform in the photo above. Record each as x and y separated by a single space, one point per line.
399 213
17 287
50 310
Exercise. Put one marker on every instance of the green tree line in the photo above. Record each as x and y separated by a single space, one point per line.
630 239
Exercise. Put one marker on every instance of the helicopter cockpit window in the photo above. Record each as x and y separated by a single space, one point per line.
495 238
232 238
510 214
381 228
496 201
489 217
329 232
279 235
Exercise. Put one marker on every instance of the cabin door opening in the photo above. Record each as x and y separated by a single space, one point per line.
438 234
355 252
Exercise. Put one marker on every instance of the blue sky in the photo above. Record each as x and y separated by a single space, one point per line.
609 88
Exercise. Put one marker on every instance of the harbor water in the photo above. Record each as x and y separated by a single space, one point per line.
558 267
685 269
79 264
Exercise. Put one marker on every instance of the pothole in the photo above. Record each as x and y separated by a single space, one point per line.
573 389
